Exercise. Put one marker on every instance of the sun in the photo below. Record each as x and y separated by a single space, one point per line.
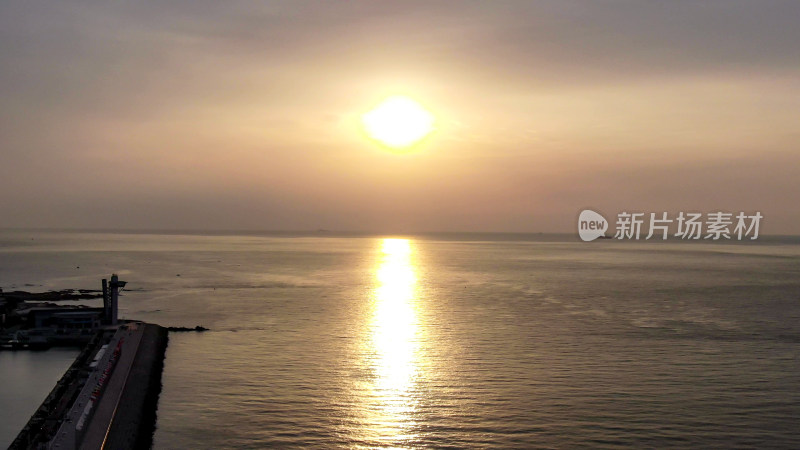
398 122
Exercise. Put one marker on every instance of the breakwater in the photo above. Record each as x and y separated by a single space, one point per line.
133 425
107 398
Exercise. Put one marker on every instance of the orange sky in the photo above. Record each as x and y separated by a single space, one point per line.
243 115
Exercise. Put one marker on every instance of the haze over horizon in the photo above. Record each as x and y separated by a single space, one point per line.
245 116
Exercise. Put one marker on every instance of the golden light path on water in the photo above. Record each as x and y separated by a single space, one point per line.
394 332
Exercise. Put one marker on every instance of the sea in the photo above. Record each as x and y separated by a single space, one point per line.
326 340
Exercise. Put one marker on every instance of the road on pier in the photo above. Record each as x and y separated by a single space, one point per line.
109 402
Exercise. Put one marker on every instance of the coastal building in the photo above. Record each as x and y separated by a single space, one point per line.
63 318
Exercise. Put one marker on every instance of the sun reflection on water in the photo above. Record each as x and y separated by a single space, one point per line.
394 340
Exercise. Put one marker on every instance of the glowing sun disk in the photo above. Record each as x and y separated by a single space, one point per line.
398 122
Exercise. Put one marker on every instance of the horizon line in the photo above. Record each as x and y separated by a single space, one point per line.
332 232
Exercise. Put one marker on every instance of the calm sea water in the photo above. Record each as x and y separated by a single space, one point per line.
25 380
463 341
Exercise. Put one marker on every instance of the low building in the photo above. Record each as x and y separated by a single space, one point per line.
64 319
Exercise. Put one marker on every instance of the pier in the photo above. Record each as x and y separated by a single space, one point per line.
105 402
108 397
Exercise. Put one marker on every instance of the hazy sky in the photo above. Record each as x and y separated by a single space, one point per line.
245 114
